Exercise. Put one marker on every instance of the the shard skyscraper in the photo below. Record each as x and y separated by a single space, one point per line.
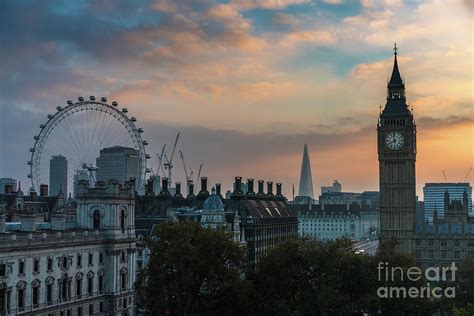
306 179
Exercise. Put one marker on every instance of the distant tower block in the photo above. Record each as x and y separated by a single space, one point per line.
58 175
306 179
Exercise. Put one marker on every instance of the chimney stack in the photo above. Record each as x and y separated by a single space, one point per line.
279 190
238 185
260 187
164 186
178 191
149 187
43 190
270 188
204 191
250 190
190 190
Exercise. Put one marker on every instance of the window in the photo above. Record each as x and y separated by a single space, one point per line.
91 259
21 267
36 265
124 303
123 256
123 280
64 262
78 288
35 296
122 220
101 307
21 298
2 270
456 243
79 311
49 293
69 312
79 261
101 257
50 264
96 219
430 242
91 309
101 283
90 285
443 243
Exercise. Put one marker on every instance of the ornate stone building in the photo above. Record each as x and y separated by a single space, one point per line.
47 268
396 138
448 239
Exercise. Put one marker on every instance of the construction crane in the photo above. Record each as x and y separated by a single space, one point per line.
169 162
199 172
467 175
188 175
444 176
160 161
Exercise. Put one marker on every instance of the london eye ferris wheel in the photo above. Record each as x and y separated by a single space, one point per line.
78 132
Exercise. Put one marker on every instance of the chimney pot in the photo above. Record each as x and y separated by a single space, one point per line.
261 183
270 188
250 186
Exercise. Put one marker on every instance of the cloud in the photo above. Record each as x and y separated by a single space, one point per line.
265 4
321 37
333 1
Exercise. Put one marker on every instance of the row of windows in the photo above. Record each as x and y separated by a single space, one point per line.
63 287
444 243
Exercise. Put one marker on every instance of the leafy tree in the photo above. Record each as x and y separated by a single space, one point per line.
194 271
308 277
389 256
464 284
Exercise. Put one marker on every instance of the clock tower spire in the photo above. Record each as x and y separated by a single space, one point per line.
396 137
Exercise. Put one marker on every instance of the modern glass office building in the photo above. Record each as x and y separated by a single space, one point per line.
434 197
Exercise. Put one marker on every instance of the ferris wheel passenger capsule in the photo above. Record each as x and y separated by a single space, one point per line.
59 108
32 150
140 130
147 156
133 119
36 137
124 110
42 126
69 102
145 143
81 99
92 98
148 170
115 103
103 99
29 163
50 116
30 175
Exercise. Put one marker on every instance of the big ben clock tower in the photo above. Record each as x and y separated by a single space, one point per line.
396 138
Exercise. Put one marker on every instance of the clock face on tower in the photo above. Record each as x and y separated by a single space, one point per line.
394 140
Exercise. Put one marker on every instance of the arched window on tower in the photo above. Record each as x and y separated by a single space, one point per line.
96 219
122 220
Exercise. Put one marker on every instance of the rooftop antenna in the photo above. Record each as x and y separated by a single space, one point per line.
444 176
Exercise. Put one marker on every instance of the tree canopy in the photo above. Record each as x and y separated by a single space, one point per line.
196 271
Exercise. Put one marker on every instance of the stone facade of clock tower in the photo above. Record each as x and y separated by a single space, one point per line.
396 138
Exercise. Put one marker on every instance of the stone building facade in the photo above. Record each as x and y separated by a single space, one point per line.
47 268
330 222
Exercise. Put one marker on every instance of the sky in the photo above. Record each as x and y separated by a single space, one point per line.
247 82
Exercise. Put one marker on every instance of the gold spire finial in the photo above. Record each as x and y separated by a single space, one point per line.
395 48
